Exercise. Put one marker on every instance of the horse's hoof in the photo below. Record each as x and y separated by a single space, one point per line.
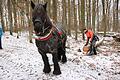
46 70
64 60
56 72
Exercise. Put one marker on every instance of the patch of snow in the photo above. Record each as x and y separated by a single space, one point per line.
20 60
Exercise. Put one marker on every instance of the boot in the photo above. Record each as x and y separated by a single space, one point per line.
91 51
95 53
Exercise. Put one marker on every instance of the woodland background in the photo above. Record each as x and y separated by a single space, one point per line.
74 15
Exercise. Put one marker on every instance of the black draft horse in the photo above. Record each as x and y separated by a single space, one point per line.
50 39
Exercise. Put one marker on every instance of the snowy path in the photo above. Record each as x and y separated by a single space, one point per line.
20 60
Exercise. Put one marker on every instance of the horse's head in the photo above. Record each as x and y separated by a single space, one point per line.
39 17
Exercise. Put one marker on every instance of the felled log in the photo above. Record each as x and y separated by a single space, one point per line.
116 38
98 43
86 49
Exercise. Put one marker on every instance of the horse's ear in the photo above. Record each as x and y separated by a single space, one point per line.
32 5
45 6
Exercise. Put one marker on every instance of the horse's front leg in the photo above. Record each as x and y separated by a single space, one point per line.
56 65
47 68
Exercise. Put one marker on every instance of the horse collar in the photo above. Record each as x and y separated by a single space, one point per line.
44 38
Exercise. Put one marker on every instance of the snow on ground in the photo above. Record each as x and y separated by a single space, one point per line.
20 60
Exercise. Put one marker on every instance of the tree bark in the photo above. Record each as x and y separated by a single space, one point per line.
64 19
69 18
1 15
75 19
93 14
54 10
83 17
15 15
104 17
97 15
10 17
28 14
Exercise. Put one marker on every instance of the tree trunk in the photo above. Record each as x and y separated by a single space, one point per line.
54 10
75 19
48 7
1 15
89 15
79 13
69 18
83 17
28 14
115 15
97 15
10 17
117 12
15 16
64 20
104 17
108 14
93 14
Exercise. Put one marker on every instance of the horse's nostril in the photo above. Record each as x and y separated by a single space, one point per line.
37 24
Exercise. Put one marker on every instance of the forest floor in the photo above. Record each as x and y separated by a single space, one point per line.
20 60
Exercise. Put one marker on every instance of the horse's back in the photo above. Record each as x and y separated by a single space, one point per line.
60 28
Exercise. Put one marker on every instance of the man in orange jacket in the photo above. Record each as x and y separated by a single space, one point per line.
92 38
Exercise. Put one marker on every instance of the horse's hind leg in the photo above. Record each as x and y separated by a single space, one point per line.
61 54
63 51
56 65
46 63
64 59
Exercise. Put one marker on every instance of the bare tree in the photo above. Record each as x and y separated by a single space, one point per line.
89 14
54 10
93 14
79 13
64 18
1 15
69 17
10 16
115 15
83 17
104 17
28 14
97 14
75 19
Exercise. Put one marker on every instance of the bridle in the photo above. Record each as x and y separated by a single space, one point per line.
45 37
43 28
